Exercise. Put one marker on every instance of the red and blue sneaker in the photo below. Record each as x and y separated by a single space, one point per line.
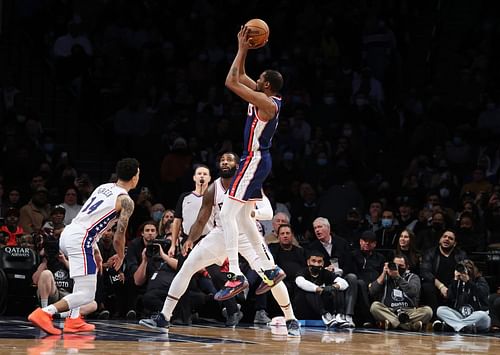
234 285
270 278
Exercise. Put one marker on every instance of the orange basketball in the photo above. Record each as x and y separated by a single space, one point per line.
258 33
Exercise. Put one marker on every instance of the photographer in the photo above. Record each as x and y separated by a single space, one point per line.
52 276
110 293
156 271
397 290
467 309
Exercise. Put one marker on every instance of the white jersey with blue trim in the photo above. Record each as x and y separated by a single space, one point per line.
219 196
99 212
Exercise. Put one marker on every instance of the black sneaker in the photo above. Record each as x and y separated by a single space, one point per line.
437 326
131 315
157 321
293 328
234 285
233 319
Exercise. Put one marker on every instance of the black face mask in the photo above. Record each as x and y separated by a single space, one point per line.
401 271
315 270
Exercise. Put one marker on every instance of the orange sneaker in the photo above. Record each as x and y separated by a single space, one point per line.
77 325
43 320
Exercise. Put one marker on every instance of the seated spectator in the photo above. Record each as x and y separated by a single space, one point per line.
437 269
278 219
157 211
467 306
494 305
35 212
469 239
397 293
70 204
287 256
110 293
56 221
368 264
374 215
388 235
479 183
406 218
165 224
428 237
11 230
406 247
352 228
319 292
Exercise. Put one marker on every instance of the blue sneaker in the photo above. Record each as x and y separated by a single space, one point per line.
234 285
293 328
270 279
157 321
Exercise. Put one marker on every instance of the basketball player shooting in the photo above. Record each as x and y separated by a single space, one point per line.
264 104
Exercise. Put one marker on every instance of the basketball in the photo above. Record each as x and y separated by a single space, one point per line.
258 32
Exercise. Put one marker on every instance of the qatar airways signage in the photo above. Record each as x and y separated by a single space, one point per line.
18 251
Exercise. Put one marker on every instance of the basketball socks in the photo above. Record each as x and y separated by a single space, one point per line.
169 306
74 313
51 309
280 294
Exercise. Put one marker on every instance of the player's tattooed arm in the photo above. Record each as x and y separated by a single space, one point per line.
126 210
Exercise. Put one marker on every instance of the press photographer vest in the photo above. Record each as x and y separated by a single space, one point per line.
395 298
61 277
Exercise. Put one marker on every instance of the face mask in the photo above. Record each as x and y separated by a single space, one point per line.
386 223
444 192
157 216
322 161
315 270
401 271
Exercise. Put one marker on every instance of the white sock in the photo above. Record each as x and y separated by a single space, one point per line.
280 294
51 309
64 314
74 313
44 302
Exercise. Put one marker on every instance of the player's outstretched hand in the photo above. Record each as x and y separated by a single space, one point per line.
188 245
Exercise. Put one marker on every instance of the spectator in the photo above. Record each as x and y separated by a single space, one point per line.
55 224
428 237
165 224
11 230
36 211
374 215
319 292
478 184
352 228
278 219
157 211
70 204
469 239
467 309
287 256
406 247
387 236
437 267
397 292
368 264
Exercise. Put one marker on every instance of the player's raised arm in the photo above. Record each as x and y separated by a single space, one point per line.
248 90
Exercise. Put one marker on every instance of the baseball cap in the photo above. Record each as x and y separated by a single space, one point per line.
368 235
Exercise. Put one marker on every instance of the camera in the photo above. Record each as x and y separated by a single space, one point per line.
460 267
403 317
152 248
392 266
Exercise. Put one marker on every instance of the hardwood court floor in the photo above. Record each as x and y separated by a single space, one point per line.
17 336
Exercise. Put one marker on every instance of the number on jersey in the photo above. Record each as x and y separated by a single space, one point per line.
91 206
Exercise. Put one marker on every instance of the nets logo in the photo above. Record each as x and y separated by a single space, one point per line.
18 251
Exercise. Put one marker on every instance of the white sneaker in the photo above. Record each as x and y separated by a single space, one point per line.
328 319
349 323
340 320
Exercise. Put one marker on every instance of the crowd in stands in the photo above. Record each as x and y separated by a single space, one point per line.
370 168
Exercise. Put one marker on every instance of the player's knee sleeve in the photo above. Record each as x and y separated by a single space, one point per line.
83 291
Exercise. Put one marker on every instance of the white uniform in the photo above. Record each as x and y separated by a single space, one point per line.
79 238
212 248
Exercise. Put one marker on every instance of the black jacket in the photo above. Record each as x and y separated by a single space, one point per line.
430 262
473 292
340 250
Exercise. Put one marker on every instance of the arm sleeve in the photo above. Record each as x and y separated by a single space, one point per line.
343 283
305 285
